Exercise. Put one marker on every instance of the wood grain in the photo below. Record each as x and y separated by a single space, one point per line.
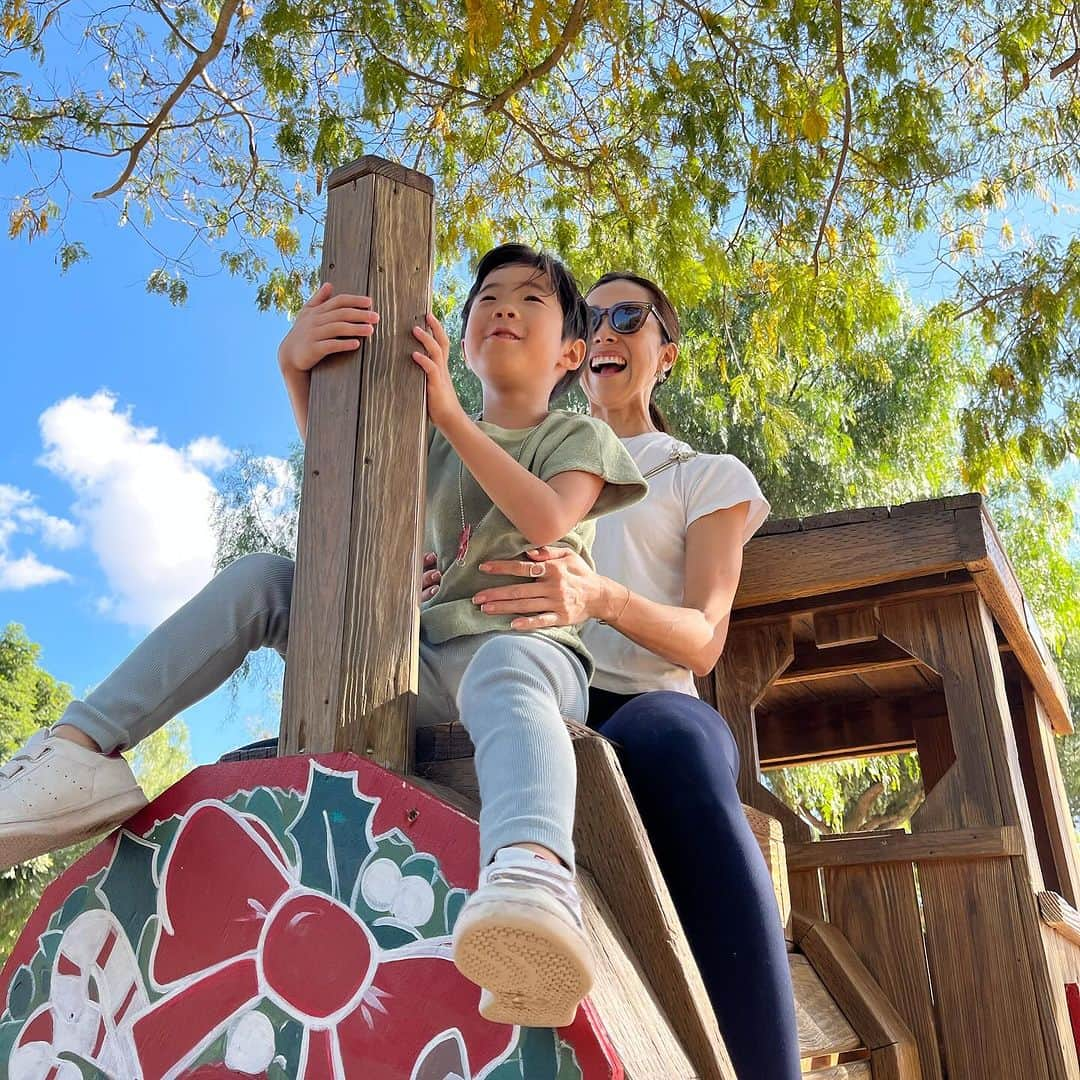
850 626
823 1029
351 677
1051 797
877 910
613 846
986 842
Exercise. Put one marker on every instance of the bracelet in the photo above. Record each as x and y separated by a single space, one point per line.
612 622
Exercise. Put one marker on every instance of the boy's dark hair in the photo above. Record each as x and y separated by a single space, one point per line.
575 310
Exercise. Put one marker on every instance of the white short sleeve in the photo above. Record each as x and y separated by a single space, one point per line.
716 481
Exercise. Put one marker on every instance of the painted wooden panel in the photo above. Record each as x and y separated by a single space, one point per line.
284 920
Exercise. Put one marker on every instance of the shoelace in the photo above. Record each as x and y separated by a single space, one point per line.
30 752
560 886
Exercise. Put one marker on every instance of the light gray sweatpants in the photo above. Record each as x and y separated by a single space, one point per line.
511 692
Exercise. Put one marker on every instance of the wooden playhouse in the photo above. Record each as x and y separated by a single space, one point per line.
289 916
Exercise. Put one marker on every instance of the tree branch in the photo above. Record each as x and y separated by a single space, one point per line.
217 42
841 67
855 819
574 24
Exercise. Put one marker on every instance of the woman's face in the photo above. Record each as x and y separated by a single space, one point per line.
622 368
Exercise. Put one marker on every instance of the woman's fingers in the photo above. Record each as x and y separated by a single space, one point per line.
516 607
536 622
513 567
543 554
430 559
431 577
535 591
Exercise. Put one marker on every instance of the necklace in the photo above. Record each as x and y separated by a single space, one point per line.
467 526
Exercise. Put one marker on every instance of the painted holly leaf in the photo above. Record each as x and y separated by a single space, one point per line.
130 885
87 1069
540 1055
277 815
333 832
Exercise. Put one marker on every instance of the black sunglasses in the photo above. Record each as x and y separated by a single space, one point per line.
627 317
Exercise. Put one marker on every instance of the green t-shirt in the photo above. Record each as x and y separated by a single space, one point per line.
561 442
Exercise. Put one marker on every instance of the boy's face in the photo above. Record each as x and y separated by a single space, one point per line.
514 336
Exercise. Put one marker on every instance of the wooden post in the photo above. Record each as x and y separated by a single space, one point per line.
351 677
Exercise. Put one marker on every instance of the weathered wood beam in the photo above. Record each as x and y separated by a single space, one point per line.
985 842
843 729
351 677
812 663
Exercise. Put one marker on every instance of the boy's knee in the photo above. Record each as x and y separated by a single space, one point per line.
506 668
266 578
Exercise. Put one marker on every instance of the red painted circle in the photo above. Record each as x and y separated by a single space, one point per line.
312 933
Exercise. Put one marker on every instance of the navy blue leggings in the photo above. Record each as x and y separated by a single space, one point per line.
681 762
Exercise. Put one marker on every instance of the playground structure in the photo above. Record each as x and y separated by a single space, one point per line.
950 951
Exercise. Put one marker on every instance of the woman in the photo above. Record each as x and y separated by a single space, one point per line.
669 570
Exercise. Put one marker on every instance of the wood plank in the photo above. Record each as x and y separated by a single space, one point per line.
803 733
780 567
850 626
351 680
1058 913
854 989
612 844
877 909
807 892
997 582
1053 800
844 659
978 952
1027 874
769 834
935 631
985 842
857 1070
640 1032
799 608
751 661
312 688
823 1028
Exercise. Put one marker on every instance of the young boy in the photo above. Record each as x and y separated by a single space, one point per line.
518 478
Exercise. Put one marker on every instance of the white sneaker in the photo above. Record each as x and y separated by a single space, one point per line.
54 793
521 938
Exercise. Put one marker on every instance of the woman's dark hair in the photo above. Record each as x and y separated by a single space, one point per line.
670 319
574 309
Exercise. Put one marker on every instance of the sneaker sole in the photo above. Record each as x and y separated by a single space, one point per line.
27 840
535 969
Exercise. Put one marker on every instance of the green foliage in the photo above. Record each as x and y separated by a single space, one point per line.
768 162
31 698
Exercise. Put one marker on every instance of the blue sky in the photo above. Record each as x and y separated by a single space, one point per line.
119 408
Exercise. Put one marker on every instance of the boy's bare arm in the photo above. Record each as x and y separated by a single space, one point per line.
327 324
542 511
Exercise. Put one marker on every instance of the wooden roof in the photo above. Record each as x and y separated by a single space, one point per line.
871 553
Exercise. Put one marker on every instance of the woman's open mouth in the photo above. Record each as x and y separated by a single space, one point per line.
606 364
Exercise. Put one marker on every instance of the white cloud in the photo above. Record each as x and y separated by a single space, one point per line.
20 520
209 452
143 505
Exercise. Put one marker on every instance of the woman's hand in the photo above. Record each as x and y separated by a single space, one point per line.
326 324
429 577
562 590
442 401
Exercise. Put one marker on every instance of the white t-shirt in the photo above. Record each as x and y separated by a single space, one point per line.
644 548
